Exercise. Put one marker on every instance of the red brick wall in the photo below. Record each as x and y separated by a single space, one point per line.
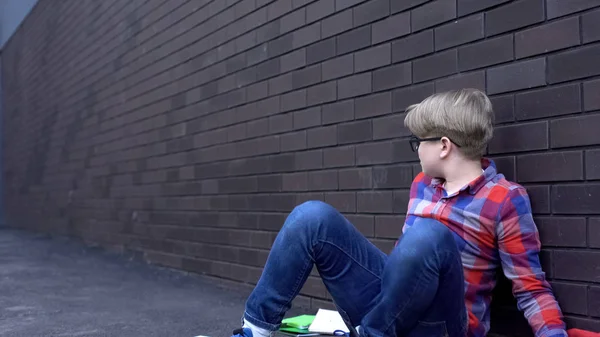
186 130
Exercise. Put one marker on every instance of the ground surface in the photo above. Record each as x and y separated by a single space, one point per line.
60 287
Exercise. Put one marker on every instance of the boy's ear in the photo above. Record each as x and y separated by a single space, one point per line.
446 144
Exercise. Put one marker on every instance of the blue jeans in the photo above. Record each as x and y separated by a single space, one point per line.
417 290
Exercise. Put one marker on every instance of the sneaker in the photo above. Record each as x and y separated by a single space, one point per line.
245 332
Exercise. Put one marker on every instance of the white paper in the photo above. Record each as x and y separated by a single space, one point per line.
327 321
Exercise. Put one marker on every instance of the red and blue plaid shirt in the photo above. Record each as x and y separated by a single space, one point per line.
493 226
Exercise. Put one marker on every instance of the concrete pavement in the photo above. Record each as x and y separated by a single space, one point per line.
60 287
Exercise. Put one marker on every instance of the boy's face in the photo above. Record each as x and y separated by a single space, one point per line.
430 155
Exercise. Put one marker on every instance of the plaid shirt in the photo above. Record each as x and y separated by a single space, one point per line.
493 226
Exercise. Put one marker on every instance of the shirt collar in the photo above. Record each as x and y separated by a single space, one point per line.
489 172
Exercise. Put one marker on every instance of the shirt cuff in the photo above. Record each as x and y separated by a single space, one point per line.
555 333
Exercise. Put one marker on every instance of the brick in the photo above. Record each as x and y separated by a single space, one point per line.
336 24
562 231
402 98
322 136
412 46
540 199
397 176
295 182
391 28
338 67
384 153
459 32
574 64
364 223
486 53
280 84
521 137
306 35
577 265
572 297
582 323
343 4
515 15
370 11
342 201
388 226
394 76
517 76
594 232
555 166
257 91
401 199
355 178
322 93
374 202
270 183
278 8
323 180
309 160
373 57
354 86
319 9
307 76
554 101
506 166
279 46
280 123
575 199
504 108
293 20
373 105
575 131
400 6
267 69
390 127
307 118
340 156
590 26
293 60
432 13
293 100
321 51
257 128
592 164
474 80
594 301
435 66
340 111
557 8
353 40
550 37
591 95
471 6
355 132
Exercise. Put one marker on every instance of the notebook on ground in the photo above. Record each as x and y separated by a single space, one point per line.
328 321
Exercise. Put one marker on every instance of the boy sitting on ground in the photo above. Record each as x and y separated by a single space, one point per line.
464 221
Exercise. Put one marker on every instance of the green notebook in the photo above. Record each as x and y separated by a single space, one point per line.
297 324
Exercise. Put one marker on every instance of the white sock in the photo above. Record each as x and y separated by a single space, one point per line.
256 331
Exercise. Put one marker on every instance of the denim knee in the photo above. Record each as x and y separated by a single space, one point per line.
311 214
425 238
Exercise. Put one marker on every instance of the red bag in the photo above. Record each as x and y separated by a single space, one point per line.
582 333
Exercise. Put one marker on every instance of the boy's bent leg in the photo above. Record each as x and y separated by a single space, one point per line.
422 292
317 234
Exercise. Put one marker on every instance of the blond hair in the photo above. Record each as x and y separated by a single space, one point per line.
464 116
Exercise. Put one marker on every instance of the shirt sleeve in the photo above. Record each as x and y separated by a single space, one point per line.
519 246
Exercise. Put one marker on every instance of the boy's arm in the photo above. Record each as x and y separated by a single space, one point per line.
519 246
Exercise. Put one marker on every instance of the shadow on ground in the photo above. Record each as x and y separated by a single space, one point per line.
59 287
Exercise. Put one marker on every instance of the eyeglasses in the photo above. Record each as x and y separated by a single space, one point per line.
416 141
